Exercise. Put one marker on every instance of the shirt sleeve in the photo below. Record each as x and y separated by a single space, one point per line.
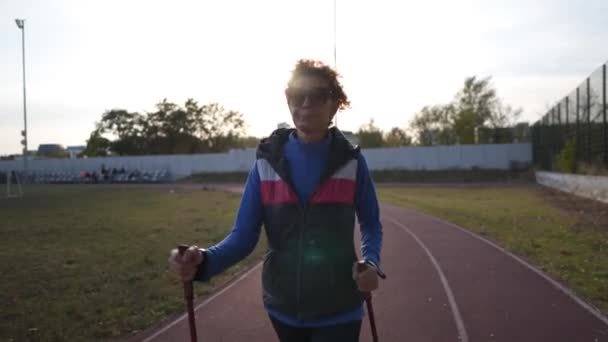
244 235
368 213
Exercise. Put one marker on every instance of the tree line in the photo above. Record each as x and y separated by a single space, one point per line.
475 115
169 129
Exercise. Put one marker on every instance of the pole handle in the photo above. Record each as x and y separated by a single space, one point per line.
362 265
181 248
188 291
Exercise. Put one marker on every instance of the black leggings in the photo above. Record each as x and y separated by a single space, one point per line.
347 332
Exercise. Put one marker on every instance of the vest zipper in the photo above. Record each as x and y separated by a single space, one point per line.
303 210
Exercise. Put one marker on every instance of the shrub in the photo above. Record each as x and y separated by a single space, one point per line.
566 162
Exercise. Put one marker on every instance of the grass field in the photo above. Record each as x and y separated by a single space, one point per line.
530 221
397 176
83 263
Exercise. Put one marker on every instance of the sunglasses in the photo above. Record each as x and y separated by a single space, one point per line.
315 96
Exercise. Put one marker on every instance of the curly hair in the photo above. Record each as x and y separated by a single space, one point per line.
319 69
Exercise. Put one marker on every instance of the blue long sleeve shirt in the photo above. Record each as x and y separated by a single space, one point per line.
306 164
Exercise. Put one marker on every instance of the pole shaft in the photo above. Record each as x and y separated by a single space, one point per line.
188 295
24 99
335 35
372 318
588 105
335 44
604 123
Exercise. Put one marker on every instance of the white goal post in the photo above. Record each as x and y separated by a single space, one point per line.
13 184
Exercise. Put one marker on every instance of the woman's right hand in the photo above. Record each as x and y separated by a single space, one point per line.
184 266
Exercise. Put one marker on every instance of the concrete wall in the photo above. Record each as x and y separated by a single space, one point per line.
594 187
498 157
405 158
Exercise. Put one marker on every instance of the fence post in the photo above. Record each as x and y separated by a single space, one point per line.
552 139
560 128
577 155
604 124
588 119
567 114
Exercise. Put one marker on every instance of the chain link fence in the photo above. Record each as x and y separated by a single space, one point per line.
573 136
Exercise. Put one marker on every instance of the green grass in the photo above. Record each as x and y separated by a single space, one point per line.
82 263
401 176
453 176
523 220
216 177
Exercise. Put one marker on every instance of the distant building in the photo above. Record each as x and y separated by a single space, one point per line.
51 151
31 154
75 151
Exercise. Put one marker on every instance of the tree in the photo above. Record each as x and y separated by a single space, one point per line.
477 97
248 142
397 137
128 129
504 116
433 125
370 136
474 108
219 128
97 146
170 129
474 105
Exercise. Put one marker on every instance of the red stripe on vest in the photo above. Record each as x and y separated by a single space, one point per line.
335 191
277 192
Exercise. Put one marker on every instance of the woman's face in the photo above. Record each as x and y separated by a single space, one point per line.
311 104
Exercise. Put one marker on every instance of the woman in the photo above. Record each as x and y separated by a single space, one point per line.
306 187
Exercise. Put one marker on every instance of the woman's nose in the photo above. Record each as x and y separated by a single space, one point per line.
307 103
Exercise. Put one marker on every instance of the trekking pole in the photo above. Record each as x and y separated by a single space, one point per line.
188 296
372 319
362 266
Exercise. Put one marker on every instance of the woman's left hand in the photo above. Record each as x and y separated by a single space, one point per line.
366 277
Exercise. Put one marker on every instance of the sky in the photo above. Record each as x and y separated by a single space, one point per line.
86 57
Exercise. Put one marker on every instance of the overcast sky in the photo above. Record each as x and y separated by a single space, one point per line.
85 57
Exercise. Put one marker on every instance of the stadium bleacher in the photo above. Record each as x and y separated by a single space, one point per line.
105 176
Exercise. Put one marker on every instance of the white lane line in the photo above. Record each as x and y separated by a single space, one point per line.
462 332
204 303
568 292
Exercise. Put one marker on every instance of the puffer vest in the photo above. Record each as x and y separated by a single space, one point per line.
307 271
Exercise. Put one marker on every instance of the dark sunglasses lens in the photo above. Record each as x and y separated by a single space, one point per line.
296 97
315 96
318 96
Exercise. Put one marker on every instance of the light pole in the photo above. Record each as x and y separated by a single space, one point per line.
21 26
335 43
335 34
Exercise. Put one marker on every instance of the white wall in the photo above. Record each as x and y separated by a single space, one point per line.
498 156
594 187
403 158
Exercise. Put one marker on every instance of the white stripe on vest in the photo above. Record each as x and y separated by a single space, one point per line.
266 171
349 171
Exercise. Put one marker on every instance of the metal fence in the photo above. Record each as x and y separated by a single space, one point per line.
573 135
